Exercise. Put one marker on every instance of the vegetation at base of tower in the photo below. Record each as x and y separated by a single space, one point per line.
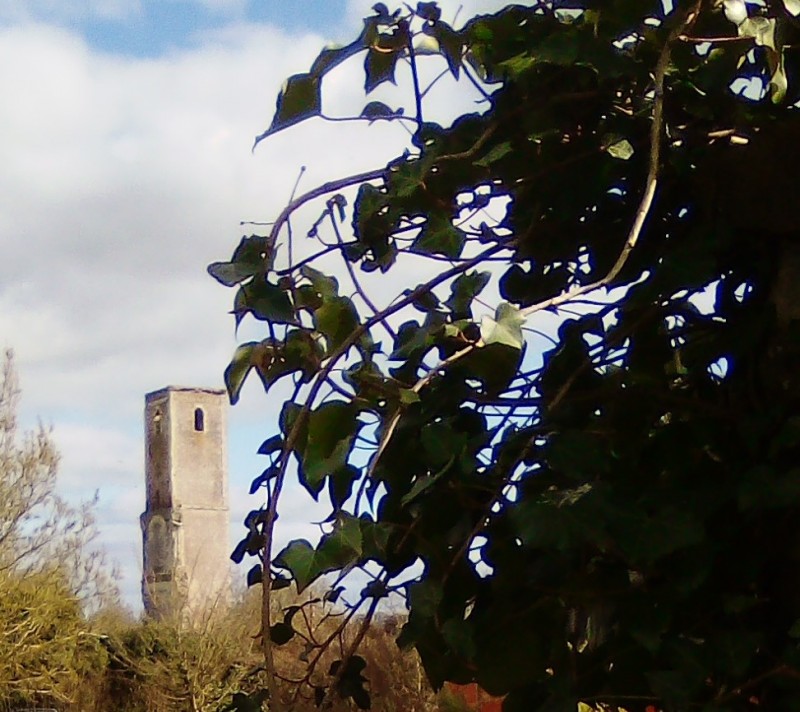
544 362
54 657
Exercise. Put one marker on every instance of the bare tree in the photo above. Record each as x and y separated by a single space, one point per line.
40 530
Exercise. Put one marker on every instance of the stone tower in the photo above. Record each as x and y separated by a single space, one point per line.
185 522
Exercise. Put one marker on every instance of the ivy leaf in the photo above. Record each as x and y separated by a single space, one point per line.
495 154
253 256
379 66
505 328
792 7
460 637
332 56
378 110
347 533
255 576
340 485
451 44
270 445
408 396
336 319
439 237
425 597
236 372
331 429
263 478
424 482
429 11
265 301
299 558
281 633
464 290
323 285
620 148
299 99
337 550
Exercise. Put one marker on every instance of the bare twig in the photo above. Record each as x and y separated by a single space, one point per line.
318 192
412 57
351 650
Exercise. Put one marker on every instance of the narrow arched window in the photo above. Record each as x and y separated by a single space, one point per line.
157 422
199 424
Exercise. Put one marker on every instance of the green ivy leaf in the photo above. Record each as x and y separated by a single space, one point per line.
379 66
408 396
425 597
463 292
332 56
325 286
346 538
331 429
253 256
459 635
505 328
429 11
265 301
620 148
439 237
299 558
495 154
451 44
424 482
240 365
336 319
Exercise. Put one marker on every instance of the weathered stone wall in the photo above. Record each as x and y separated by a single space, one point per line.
185 523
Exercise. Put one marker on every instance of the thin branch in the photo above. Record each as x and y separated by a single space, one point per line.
412 56
646 203
290 239
312 258
434 81
475 82
472 150
370 119
318 192
351 650
354 279
416 388
715 40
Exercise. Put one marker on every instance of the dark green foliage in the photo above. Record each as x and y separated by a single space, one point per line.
610 514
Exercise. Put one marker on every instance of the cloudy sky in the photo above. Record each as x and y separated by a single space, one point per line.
125 168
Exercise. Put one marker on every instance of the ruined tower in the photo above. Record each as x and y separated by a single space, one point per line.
185 522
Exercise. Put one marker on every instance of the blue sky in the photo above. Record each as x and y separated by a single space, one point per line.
125 136
159 27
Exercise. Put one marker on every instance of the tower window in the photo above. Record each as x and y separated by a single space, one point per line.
199 424
157 421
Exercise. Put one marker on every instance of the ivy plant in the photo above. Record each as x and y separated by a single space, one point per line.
606 514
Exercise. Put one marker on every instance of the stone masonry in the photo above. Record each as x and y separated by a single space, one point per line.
185 523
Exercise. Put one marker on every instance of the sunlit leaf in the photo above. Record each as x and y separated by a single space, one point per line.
505 328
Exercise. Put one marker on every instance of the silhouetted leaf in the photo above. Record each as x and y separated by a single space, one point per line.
299 99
